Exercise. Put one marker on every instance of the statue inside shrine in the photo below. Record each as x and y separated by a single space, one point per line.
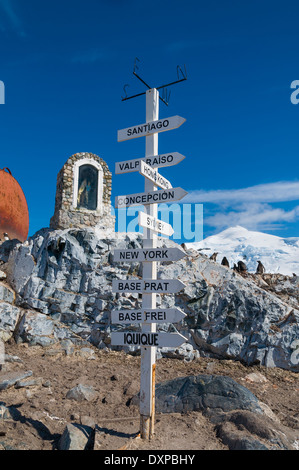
83 194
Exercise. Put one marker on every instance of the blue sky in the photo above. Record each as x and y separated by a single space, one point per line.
65 63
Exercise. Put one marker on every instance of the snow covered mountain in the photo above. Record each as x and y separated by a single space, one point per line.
278 255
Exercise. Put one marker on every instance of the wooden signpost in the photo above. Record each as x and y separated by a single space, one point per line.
149 315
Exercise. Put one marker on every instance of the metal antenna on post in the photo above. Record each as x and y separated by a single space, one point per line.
182 76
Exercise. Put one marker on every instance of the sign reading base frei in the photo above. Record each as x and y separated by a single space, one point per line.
148 315
153 315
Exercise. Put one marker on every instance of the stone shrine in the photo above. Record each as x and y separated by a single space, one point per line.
83 194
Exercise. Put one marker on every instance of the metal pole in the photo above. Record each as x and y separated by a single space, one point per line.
148 354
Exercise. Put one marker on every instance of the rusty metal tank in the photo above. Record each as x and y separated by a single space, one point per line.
14 216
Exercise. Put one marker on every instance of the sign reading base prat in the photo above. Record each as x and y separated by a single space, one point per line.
148 339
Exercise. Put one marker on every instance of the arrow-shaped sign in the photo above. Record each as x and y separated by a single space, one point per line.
149 128
156 225
149 254
153 175
152 197
161 340
155 315
147 286
155 161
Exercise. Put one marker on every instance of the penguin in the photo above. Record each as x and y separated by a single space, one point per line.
5 236
225 262
214 256
260 268
242 268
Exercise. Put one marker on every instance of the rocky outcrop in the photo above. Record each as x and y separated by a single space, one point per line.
65 278
242 422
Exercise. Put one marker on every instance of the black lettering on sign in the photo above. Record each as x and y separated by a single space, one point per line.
143 339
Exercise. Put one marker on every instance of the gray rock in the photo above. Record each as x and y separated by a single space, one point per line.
24 383
6 294
66 275
81 393
9 317
241 421
76 437
204 393
4 412
8 379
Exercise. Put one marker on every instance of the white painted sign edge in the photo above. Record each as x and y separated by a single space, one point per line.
164 228
154 176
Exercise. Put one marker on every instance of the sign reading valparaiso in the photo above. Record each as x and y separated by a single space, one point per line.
152 127
150 254
155 161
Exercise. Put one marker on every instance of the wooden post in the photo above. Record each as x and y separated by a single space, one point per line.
148 354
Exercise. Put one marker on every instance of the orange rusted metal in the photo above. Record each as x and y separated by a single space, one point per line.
14 216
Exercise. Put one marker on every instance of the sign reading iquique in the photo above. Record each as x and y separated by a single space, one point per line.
161 340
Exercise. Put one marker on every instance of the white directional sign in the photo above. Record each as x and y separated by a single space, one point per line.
154 315
154 176
155 161
149 128
152 197
168 340
156 225
148 286
149 254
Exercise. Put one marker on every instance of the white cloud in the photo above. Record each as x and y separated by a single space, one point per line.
253 216
272 192
251 207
